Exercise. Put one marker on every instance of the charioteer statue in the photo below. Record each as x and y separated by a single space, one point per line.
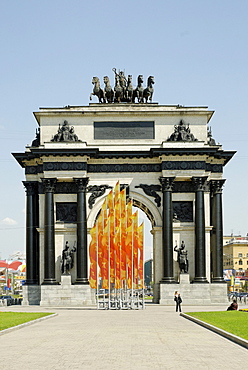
123 91
67 261
182 258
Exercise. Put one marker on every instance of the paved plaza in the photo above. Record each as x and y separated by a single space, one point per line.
85 338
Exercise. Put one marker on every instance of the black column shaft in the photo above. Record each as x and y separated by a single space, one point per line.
167 233
49 237
217 232
82 251
32 238
200 243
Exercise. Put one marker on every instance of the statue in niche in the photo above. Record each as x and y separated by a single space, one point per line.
65 133
67 261
181 133
182 258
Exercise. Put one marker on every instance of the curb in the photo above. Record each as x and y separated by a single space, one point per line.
6 331
223 333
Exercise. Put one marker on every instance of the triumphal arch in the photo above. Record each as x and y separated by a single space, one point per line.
172 169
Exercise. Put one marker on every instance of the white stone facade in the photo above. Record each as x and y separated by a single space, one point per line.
133 162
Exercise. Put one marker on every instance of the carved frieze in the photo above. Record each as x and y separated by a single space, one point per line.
66 212
183 165
65 166
125 167
183 211
151 191
97 191
33 170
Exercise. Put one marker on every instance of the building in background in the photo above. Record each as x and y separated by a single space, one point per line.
235 261
148 274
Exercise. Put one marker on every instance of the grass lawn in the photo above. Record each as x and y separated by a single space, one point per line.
9 319
234 322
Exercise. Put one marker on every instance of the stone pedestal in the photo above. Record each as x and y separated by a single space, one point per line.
193 294
31 295
184 278
66 294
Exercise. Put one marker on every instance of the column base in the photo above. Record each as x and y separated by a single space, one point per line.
168 280
50 282
200 280
218 280
31 282
82 281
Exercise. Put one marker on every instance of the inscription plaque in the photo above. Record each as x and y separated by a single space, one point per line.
124 130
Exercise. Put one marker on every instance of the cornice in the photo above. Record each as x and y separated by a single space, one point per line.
36 153
95 109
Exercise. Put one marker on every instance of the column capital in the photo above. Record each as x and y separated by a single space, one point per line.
31 187
216 186
81 182
49 184
200 183
167 183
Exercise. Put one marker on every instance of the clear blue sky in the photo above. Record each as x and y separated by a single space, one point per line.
51 49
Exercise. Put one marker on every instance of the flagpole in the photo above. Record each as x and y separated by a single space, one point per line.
108 244
97 282
132 266
143 250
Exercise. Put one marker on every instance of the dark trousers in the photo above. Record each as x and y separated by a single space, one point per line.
178 306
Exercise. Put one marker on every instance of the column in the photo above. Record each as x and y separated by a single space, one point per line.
167 233
216 238
49 237
200 241
82 251
32 236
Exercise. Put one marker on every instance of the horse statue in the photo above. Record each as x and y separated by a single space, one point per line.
148 92
67 261
138 92
182 258
118 90
97 90
129 89
108 91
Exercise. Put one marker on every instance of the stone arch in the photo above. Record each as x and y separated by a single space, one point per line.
139 201
154 215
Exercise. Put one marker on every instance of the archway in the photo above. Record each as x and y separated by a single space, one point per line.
152 235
